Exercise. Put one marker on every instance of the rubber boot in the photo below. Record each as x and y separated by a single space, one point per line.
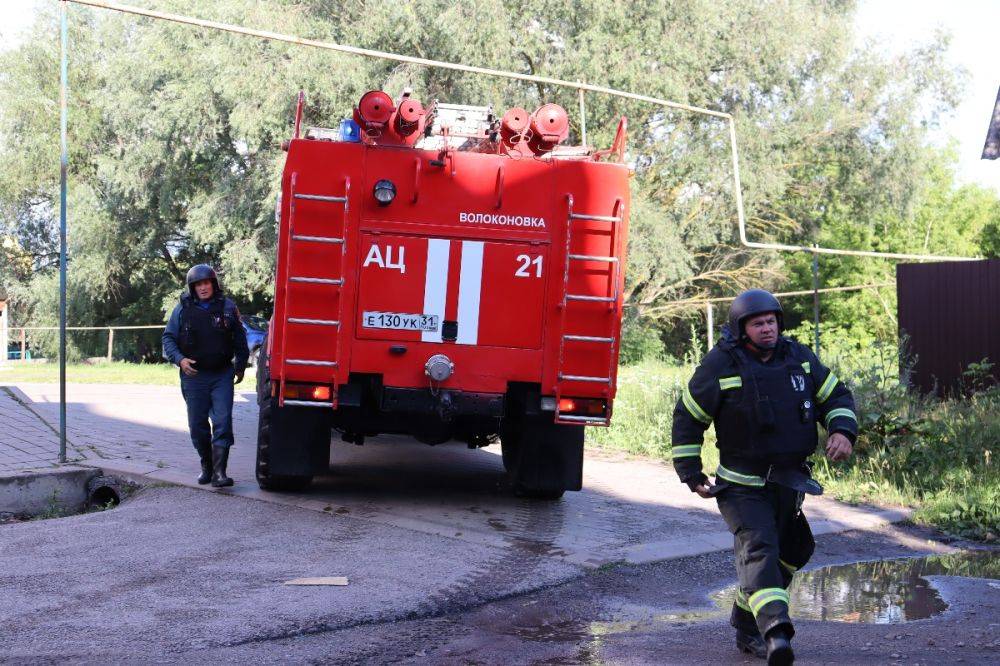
205 453
220 458
779 648
751 643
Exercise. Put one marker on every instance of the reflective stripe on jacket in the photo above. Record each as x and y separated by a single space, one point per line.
719 393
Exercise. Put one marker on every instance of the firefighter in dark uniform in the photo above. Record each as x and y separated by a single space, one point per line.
202 337
765 393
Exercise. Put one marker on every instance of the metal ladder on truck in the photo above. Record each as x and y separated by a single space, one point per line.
604 345
336 283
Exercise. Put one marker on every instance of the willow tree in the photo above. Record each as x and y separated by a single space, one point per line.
175 132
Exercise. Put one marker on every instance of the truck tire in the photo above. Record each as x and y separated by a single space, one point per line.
543 459
267 405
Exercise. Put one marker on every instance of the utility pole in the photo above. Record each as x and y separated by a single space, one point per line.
63 168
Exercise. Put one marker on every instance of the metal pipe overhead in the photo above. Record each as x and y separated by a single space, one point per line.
576 85
803 292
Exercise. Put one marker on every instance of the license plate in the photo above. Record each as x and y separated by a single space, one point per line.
400 322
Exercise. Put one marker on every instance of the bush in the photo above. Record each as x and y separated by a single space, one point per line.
640 342
935 455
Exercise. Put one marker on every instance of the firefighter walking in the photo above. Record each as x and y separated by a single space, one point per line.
765 394
202 337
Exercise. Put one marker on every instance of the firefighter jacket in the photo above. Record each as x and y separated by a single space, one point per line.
764 413
210 335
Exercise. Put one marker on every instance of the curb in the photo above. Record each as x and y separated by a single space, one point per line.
660 551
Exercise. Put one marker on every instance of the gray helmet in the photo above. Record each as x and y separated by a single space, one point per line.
749 304
199 273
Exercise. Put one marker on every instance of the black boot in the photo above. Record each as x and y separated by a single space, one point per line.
751 643
205 453
779 648
220 458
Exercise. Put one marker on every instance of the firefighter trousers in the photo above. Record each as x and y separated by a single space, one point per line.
771 539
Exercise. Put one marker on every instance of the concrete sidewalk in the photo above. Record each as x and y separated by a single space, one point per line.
629 511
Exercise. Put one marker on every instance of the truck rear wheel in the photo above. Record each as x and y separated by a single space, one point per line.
267 404
543 459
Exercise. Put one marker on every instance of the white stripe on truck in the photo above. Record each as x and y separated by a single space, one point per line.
470 284
436 285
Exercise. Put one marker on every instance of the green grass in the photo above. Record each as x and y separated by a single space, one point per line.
102 373
936 456
643 413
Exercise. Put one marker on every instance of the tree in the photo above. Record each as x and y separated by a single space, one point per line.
175 132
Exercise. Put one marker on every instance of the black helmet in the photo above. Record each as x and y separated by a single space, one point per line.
750 303
199 273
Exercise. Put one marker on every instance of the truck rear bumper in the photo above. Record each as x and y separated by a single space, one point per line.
443 402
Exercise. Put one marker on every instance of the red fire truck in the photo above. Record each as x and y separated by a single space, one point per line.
446 274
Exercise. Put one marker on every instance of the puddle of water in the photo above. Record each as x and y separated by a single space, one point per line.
883 592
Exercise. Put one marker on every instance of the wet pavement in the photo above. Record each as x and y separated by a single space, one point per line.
663 614
883 591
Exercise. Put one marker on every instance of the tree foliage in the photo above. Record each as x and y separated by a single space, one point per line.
175 138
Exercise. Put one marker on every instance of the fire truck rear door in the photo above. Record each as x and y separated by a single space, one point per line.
451 290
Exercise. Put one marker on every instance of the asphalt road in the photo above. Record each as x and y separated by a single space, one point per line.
177 575
659 614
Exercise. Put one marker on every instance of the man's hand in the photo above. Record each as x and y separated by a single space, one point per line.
705 490
238 377
187 367
838 447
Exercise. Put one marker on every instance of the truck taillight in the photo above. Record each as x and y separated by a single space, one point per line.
580 406
307 392
576 406
567 404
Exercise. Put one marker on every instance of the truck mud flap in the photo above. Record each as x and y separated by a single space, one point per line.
300 441
551 457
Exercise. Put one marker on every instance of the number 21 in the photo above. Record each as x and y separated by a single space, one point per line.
526 262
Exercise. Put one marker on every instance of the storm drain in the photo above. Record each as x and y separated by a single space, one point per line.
59 493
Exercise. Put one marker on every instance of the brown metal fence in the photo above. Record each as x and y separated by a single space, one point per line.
950 312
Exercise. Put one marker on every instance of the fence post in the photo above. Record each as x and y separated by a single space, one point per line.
111 341
710 320
815 271
24 343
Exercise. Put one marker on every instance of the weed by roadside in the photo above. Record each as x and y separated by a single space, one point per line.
935 455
